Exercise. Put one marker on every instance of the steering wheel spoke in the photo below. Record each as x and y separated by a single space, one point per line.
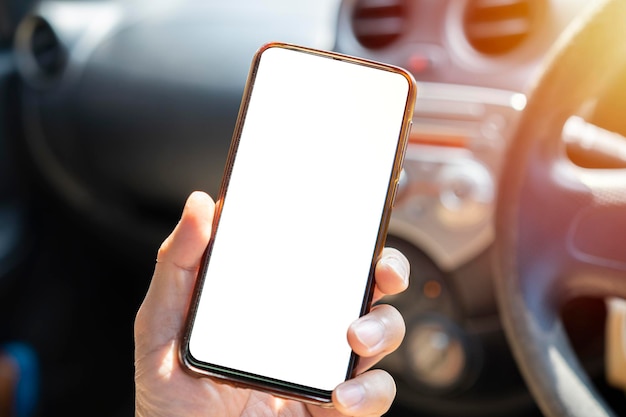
597 236
581 233
573 229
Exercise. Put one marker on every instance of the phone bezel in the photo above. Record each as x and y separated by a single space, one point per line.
248 380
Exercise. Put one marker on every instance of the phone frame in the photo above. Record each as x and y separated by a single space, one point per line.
248 380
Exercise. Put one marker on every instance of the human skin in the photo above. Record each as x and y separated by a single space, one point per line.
163 388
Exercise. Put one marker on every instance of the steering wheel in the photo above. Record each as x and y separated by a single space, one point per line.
561 228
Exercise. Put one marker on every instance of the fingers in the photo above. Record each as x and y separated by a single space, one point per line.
162 312
369 394
392 273
373 336
376 334
381 331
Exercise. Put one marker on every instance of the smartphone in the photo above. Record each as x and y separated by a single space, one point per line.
300 221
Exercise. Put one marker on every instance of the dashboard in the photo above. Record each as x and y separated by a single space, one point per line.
473 61
127 107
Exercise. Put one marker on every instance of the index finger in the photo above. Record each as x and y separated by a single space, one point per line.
391 274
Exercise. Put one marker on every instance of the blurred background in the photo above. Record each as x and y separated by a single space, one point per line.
113 112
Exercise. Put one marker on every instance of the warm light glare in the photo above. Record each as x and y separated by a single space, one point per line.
168 362
279 403
518 101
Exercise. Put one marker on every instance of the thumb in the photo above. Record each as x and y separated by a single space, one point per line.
161 316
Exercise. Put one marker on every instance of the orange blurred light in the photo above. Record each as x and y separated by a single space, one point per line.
432 289
438 139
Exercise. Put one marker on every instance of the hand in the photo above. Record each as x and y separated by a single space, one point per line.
163 388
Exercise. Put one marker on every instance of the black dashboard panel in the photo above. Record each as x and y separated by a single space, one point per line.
142 108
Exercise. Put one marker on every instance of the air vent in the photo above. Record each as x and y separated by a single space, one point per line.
378 23
46 49
40 56
495 27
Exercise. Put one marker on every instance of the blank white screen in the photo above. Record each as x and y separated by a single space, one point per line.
292 253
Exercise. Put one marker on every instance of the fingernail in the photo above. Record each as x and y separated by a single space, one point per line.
350 394
399 266
369 332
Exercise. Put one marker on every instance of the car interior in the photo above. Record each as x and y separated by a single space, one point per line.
511 206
